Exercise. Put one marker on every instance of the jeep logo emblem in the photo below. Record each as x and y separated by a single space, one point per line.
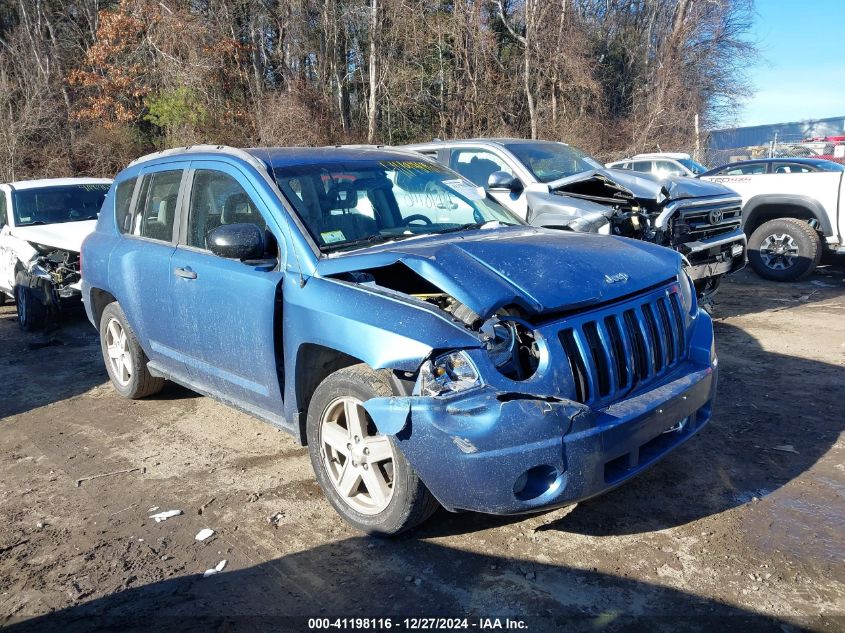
716 216
617 278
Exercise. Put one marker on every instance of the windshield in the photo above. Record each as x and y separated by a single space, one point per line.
696 168
347 205
53 205
550 161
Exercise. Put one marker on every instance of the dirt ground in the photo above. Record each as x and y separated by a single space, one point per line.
743 528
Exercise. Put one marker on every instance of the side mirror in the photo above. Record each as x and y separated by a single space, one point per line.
503 181
236 241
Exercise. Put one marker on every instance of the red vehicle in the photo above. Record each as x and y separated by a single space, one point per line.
828 147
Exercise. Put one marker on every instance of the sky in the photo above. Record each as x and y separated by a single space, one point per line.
801 69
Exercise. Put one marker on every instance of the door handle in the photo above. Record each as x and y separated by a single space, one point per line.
185 273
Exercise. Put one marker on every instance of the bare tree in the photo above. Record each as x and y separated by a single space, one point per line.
87 83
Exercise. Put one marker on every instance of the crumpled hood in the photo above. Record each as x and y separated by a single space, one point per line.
645 186
65 235
540 270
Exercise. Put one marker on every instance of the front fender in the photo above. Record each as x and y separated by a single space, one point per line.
380 330
383 331
550 210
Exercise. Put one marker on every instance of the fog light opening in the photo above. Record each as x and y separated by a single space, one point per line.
535 482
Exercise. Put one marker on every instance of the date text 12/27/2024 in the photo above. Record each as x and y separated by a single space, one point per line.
416 624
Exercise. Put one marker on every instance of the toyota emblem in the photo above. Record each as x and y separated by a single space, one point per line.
716 216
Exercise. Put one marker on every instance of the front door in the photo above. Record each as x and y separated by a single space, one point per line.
227 312
8 259
477 164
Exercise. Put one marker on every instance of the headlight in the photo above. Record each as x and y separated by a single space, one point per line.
687 292
501 346
512 346
450 373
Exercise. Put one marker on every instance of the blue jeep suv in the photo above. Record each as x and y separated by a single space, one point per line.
428 346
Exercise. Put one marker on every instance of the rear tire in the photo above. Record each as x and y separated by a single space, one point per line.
32 313
125 361
785 249
350 456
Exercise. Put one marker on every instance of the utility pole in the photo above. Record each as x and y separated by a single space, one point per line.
371 127
697 156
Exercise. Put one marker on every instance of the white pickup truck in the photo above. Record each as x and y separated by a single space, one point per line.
42 225
793 209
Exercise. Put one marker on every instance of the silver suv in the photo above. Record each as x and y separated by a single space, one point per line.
555 185
662 164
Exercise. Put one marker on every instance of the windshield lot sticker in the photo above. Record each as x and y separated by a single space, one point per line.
420 165
464 189
330 237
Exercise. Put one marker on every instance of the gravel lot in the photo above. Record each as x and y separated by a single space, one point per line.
742 528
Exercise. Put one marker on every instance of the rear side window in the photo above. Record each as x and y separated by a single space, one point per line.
4 216
744 170
159 192
122 200
642 165
792 168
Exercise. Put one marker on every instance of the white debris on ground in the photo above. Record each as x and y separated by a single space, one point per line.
216 570
204 534
163 516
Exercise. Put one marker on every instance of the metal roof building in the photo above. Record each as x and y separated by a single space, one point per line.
777 132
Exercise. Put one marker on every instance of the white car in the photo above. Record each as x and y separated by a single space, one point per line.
661 164
42 226
793 209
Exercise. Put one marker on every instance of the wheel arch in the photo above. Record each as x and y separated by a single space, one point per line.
314 363
760 209
99 300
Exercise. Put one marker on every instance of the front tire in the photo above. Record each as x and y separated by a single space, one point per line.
785 249
125 361
32 313
363 473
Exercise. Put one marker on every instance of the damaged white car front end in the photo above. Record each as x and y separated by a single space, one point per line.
42 227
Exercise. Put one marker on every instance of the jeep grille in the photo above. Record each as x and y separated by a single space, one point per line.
620 349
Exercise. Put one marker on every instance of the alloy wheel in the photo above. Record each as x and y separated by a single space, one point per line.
778 251
120 357
358 460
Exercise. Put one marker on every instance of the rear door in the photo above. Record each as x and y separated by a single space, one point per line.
664 168
645 166
139 264
226 312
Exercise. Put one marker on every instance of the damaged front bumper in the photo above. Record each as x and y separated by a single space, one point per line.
715 256
509 453
49 291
